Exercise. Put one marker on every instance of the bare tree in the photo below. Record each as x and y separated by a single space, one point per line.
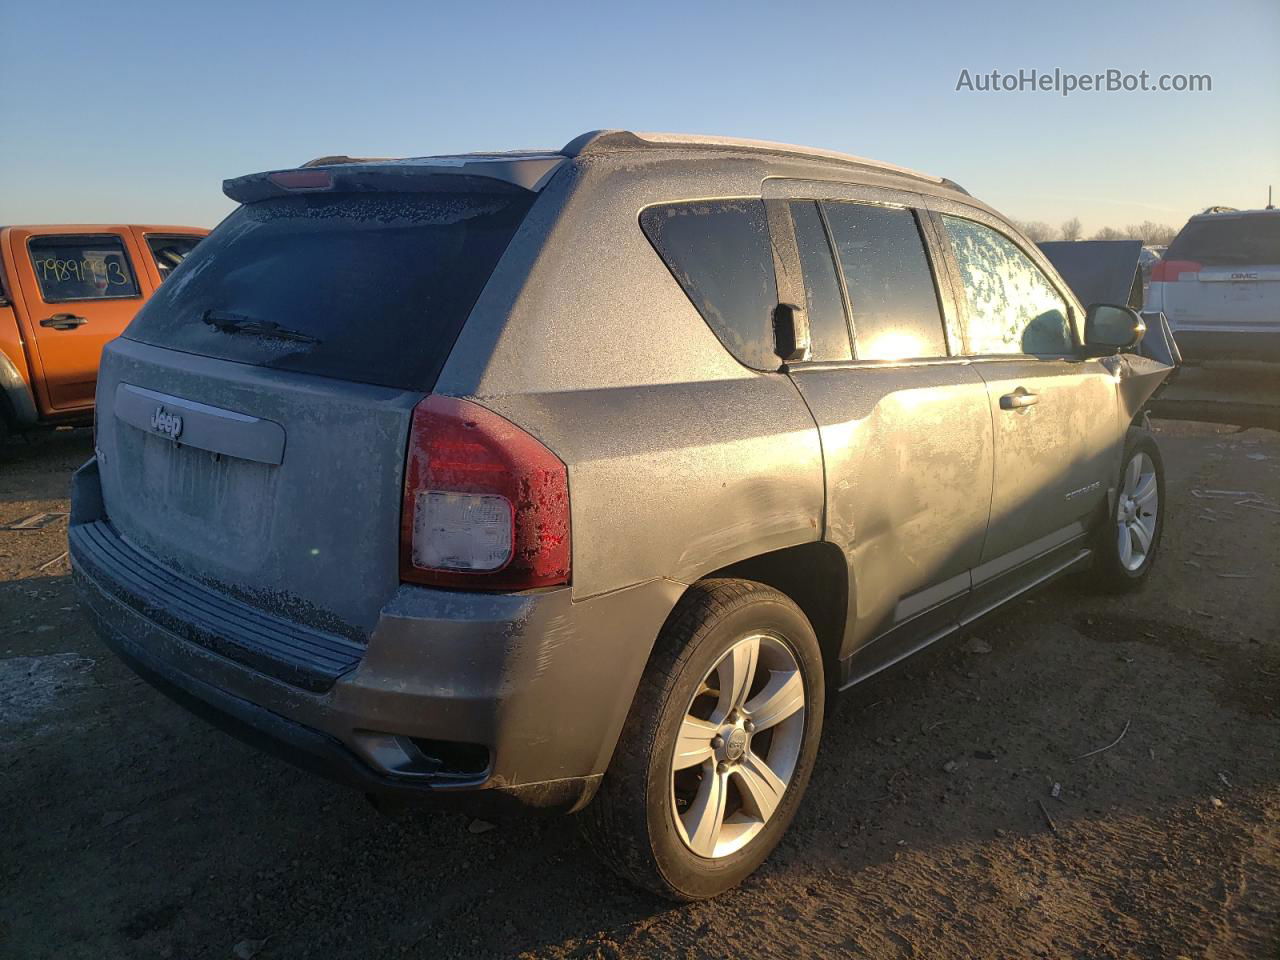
1071 229
1110 233
1150 233
1036 230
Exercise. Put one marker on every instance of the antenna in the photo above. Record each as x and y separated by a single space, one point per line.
1270 205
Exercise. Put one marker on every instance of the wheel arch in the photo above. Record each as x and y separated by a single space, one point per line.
815 576
17 405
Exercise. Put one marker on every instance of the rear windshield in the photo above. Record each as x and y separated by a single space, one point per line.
1246 240
372 287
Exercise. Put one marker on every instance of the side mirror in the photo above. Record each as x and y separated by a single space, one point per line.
790 333
1108 329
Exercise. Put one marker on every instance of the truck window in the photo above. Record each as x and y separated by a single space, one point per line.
82 268
168 252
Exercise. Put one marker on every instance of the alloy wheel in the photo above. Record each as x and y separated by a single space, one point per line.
1136 512
738 745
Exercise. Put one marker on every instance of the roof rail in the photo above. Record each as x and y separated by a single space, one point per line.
601 141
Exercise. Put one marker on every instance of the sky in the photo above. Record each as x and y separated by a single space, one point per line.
135 111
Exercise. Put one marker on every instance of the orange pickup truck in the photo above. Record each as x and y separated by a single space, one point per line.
64 292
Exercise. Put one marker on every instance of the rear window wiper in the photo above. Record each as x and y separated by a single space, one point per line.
235 323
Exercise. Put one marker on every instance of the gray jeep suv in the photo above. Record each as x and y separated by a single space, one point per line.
579 479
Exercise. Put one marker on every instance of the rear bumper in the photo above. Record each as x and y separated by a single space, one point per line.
1263 345
490 700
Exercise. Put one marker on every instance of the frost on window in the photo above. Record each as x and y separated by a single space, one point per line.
1012 307
372 287
719 251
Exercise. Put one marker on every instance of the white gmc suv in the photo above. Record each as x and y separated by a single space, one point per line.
1219 286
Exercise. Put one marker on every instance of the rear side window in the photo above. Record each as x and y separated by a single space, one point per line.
168 252
828 329
892 298
719 251
82 268
1013 308
371 287
1251 241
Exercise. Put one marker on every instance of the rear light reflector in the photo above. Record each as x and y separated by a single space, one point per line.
486 506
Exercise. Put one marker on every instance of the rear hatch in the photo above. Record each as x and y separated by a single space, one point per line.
1222 273
252 421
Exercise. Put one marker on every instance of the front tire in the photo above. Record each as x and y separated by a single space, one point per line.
719 744
1128 540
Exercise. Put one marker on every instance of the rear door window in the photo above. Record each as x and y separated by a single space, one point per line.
828 328
893 300
80 268
1250 240
719 251
1012 306
168 252
371 287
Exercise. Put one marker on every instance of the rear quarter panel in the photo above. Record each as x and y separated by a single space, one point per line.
679 480
680 459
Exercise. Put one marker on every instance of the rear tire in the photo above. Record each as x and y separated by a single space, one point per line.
738 665
1128 539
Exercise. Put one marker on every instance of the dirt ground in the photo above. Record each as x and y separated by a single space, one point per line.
934 826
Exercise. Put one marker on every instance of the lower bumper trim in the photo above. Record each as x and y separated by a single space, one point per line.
318 753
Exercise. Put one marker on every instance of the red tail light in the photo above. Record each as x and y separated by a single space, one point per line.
1169 271
303 179
486 506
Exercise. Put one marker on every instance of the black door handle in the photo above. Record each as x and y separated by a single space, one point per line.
63 321
1019 399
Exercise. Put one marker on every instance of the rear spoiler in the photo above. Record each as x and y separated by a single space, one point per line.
516 172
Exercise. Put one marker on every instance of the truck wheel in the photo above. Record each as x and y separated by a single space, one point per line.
1129 538
719 744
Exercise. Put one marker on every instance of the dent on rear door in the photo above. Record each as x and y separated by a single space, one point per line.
908 453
